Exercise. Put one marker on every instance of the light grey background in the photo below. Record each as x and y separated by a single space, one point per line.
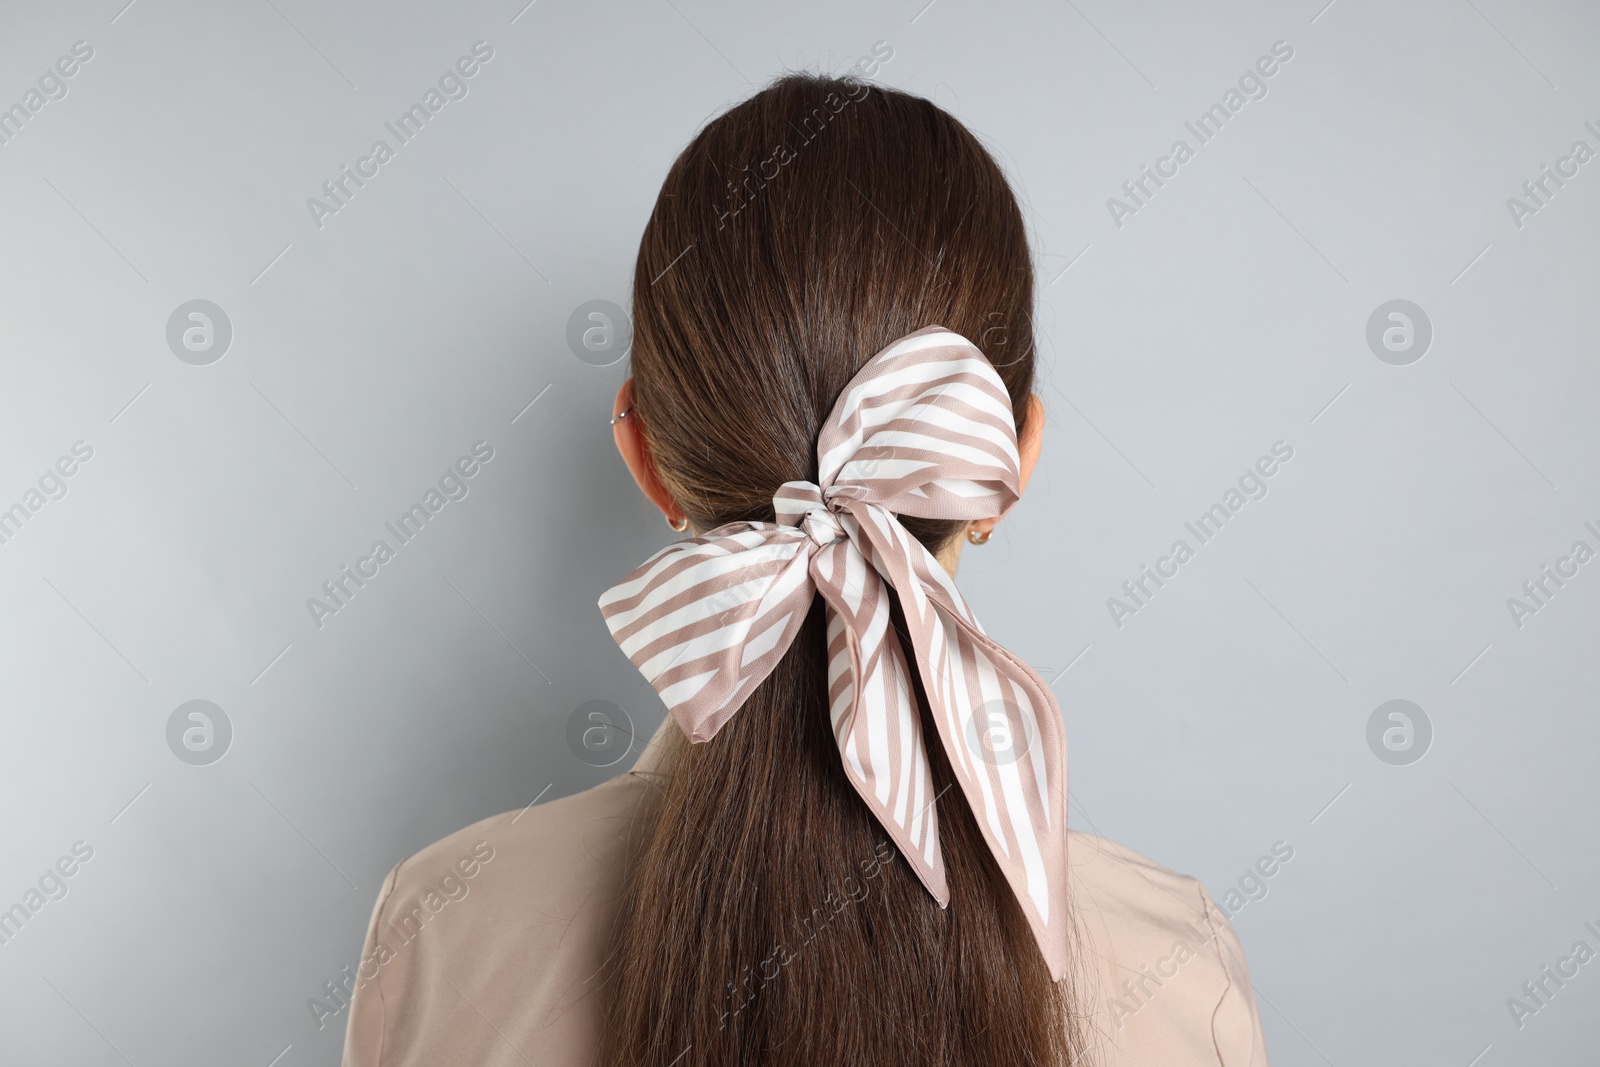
368 354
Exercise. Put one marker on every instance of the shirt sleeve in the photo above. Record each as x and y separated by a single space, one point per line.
1235 1022
364 1032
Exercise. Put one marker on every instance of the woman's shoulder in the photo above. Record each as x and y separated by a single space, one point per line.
591 825
496 933
547 855
1161 977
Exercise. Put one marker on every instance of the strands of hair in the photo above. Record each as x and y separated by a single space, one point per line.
765 919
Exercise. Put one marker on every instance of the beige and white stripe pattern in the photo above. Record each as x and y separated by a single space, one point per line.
926 429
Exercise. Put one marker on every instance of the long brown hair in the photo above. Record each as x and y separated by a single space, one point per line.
766 918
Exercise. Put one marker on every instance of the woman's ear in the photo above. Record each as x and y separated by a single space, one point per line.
628 433
1028 447
1032 440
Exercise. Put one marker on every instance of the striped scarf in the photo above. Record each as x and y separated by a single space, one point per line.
925 428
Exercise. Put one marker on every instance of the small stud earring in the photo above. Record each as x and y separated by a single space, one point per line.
621 415
679 524
978 537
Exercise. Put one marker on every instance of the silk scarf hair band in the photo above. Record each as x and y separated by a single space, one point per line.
925 428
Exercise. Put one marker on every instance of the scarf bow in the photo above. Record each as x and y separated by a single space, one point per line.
926 429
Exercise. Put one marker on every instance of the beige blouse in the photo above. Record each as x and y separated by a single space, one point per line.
483 949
